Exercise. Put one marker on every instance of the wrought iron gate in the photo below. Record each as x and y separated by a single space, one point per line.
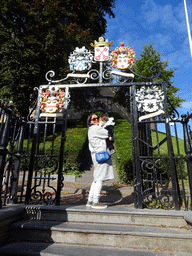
159 166
31 157
30 154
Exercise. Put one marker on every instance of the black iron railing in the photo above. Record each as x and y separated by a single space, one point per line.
31 162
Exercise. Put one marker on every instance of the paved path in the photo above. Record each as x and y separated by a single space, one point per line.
112 193
76 192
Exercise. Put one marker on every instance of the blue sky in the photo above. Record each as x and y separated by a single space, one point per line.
163 23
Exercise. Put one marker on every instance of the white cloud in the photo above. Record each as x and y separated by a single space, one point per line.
162 42
150 12
167 26
164 16
180 56
187 105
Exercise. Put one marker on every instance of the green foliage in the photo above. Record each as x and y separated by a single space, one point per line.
71 168
163 147
157 204
148 58
76 135
37 36
123 141
179 162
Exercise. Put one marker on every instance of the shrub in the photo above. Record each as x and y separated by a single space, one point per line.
123 142
76 135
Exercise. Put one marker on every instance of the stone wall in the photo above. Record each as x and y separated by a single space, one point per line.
102 103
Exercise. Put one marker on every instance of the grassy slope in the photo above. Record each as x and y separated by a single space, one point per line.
76 135
163 147
123 141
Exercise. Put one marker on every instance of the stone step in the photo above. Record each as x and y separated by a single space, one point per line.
110 215
110 235
77 230
46 249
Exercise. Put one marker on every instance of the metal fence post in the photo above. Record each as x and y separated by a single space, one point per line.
63 139
1 118
3 144
187 145
14 187
33 149
136 153
173 171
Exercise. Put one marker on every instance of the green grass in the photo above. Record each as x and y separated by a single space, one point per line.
163 147
178 150
76 135
123 142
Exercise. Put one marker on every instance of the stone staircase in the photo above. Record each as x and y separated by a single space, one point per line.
78 230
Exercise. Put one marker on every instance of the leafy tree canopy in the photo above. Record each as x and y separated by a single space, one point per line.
148 58
38 35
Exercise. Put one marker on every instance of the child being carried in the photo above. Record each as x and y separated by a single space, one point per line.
108 123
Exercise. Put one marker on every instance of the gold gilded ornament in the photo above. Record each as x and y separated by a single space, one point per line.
101 42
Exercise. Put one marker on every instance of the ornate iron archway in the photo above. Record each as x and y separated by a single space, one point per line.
155 174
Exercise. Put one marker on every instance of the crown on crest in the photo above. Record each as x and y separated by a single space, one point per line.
101 42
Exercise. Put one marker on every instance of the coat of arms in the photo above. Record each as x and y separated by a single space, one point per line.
52 101
122 57
81 59
150 100
102 49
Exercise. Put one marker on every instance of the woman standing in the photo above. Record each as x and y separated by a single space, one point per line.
103 171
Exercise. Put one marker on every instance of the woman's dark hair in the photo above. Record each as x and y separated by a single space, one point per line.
89 119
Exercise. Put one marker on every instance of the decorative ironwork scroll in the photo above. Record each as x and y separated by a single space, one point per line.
44 189
81 61
155 173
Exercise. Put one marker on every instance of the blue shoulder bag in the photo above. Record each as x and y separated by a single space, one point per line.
102 156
